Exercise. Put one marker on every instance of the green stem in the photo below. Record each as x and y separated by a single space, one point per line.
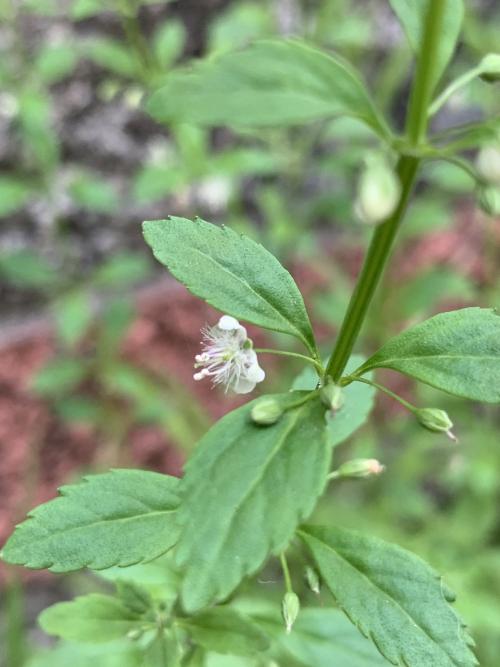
387 391
425 80
460 82
384 235
286 573
296 355
375 261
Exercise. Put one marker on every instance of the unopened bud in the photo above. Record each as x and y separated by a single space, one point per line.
290 608
360 468
379 191
435 420
488 199
312 579
332 396
490 68
488 163
266 412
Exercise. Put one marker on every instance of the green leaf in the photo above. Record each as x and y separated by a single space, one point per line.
14 193
94 194
392 596
73 315
168 42
113 654
55 62
457 352
90 618
245 490
118 518
413 16
158 577
59 377
114 56
232 273
25 269
359 400
122 270
271 83
224 630
322 638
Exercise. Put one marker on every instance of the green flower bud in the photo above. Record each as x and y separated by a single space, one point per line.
360 468
290 608
435 420
266 412
488 163
332 396
135 634
312 579
379 191
488 199
490 68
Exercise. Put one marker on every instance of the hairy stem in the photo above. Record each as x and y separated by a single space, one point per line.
383 237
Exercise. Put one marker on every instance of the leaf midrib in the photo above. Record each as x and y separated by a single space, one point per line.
392 360
381 591
89 526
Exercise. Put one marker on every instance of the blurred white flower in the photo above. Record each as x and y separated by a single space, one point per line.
228 358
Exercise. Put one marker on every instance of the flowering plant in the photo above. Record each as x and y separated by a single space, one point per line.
178 550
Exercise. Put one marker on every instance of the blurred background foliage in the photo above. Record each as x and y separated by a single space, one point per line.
82 164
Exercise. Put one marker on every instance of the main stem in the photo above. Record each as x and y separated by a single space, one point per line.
383 237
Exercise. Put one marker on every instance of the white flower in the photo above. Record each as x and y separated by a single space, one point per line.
228 358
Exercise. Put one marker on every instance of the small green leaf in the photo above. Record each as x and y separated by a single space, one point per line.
271 83
59 377
55 62
14 193
392 596
94 194
120 653
158 577
114 56
359 400
118 518
25 269
413 16
322 638
73 315
245 490
232 273
224 630
168 42
91 618
457 352
122 270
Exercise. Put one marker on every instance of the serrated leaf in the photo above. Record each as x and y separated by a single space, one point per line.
232 273
245 490
91 618
413 16
392 596
457 352
322 638
359 400
226 631
158 577
118 518
271 83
